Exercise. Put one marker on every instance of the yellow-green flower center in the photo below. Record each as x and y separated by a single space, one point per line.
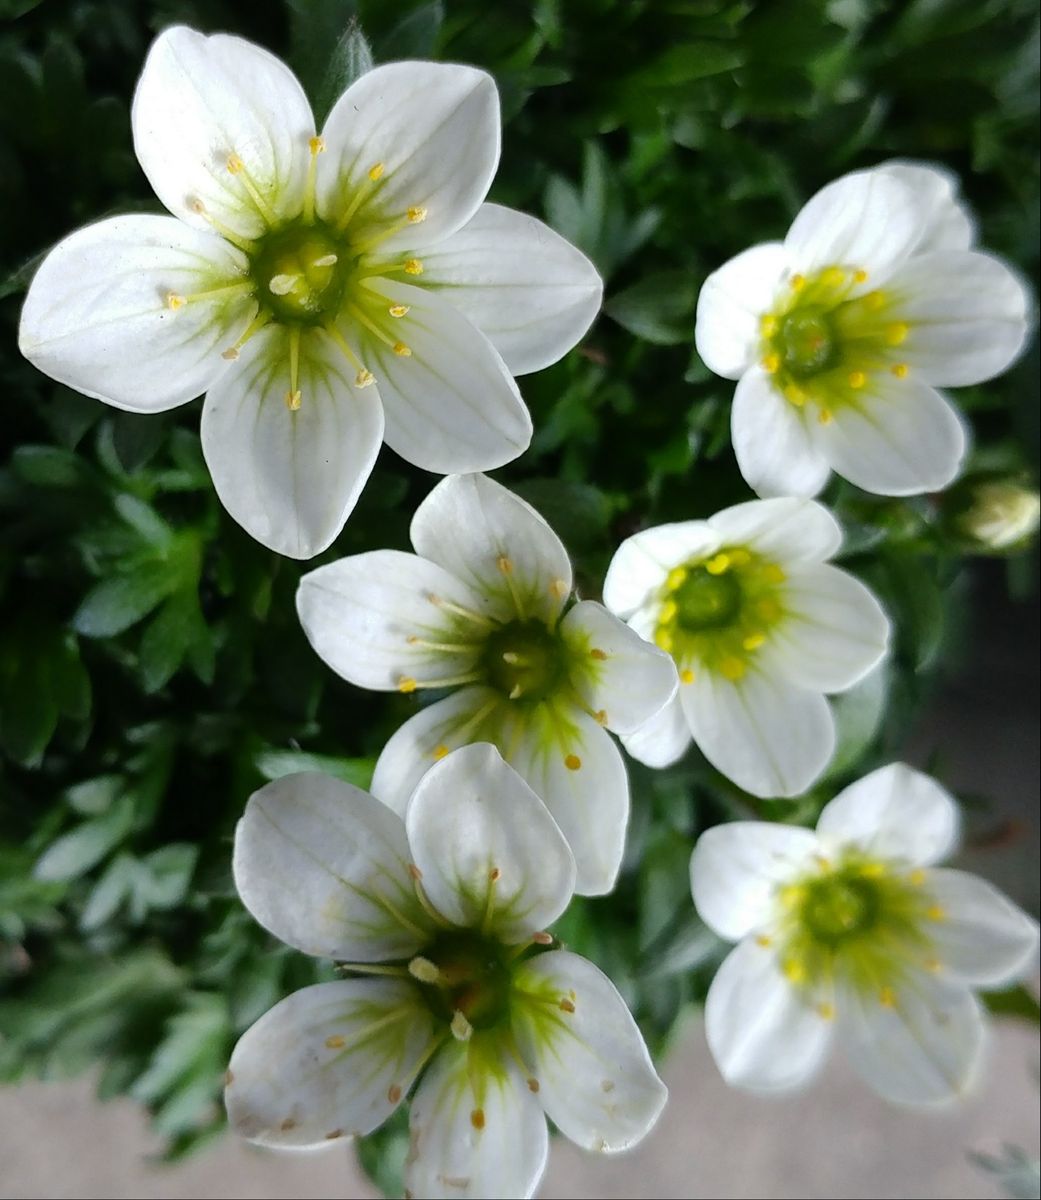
464 972
300 272
717 612
828 339
525 660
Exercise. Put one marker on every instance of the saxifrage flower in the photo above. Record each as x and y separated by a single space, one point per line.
326 292
481 608
440 921
840 336
761 626
850 934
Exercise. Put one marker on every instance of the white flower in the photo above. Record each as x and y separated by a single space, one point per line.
480 608
840 335
446 911
1001 514
761 626
849 933
325 292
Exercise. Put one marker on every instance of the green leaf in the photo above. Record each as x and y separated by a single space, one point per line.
122 600
273 764
73 854
1015 1002
659 308
350 59
415 35
48 466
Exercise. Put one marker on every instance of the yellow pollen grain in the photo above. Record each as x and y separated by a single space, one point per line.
175 301
718 565
335 1042
398 310
824 417
797 282
768 326
732 669
860 276
675 577
936 912
773 573
230 354
899 370
826 1011
793 970
440 751
416 214
364 378
772 363
376 171
600 717
887 997
316 145
504 564
896 334
790 895
795 395
857 379
413 266
567 1005
294 400
598 654
572 762
875 300
393 1093
401 350
407 685
763 940
754 641
477 1118
686 675
668 611
234 164
663 638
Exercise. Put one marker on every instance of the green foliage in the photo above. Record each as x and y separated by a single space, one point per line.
152 670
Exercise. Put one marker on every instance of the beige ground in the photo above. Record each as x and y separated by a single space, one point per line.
835 1140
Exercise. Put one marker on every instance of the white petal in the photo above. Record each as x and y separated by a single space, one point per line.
775 450
434 129
476 529
967 312
451 404
324 867
642 562
577 770
425 738
97 315
289 477
923 1049
315 1068
895 812
489 853
450 1157
596 1079
736 868
202 99
833 633
530 292
948 222
617 674
984 938
769 736
764 1034
359 614
788 530
663 739
870 220
903 438
731 304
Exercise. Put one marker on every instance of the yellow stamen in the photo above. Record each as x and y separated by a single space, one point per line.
793 970
857 379
718 565
763 940
794 395
824 417
572 762
663 638
833 276
477 1120
335 1042
826 1011
175 301
567 1005
294 400
686 675
668 611
413 266
773 573
598 654
732 669
896 334
416 214
768 326
236 239
398 310
899 370
753 641
316 146
440 751
797 282
772 363
675 577
936 912
860 276
401 350
887 997
237 167
462 1031
364 378
376 172
407 685
424 970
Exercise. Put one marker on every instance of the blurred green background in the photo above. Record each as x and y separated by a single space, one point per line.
152 671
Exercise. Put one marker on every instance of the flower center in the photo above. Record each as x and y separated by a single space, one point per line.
524 660
468 975
705 601
300 272
806 341
840 906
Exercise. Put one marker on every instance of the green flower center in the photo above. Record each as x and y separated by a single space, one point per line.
806 342
705 601
469 975
840 906
301 272
524 660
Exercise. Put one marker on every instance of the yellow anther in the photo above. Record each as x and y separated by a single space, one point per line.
824 417
416 214
793 970
732 669
401 350
875 300
754 641
887 997
790 895
773 573
393 1093
413 266
900 370
282 285
364 378
768 609
504 564
833 276
675 577
230 354
663 638
461 1028
857 379
794 395
234 164
896 334
917 877
598 654
294 400
316 145
407 684
335 1042
826 1011
874 870
398 310
718 565
494 875
477 1120
567 1005
558 588
768 326
936 912
933 964
376 171
327 260
533 1083
424 970
797 282
740 557
440 751
686 675
772 363
572 762
763 940
600 716
175 301
668 611
860 276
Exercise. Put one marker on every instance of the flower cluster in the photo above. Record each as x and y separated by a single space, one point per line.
330 291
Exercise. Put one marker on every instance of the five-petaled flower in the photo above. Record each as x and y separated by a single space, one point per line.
480 608
850 933
761 627
840 335
440 921
327 292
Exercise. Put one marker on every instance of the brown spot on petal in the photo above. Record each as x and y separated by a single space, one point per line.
393 1093
287 1124
607 1085
336 1133
599 655
477 1118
